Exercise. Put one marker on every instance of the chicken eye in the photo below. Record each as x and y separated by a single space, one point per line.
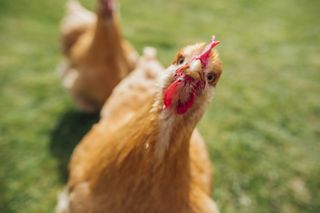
210 77
180 60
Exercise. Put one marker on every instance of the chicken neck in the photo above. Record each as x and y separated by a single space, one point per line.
148 164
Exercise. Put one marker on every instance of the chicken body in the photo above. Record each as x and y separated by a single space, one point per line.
145 162
97 57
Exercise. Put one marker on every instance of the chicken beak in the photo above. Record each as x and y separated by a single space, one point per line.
194 70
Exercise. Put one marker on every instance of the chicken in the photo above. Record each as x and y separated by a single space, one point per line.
97 57
144 164
132 93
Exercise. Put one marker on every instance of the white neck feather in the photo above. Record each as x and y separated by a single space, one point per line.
166 121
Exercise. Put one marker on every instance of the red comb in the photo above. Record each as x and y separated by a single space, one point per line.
204 56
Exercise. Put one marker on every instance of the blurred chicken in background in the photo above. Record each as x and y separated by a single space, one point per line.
151 159
97 56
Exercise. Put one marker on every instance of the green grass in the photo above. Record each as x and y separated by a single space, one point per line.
263 127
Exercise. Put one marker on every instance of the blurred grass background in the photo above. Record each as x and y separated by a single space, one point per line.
263 127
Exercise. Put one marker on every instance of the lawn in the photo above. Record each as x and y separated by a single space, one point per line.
262 128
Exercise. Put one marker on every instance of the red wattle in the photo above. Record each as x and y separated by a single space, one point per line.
169 93
183 108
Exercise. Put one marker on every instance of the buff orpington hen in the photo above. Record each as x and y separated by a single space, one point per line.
145 163
97 57
132 93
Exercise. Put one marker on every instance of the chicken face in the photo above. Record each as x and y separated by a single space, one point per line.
194 73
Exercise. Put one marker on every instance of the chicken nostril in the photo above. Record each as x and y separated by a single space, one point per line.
196 65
